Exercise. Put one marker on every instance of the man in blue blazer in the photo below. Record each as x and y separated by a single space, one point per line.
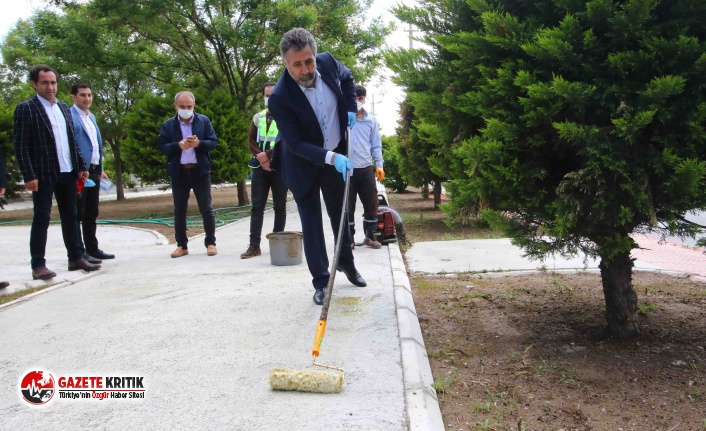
90 143
312 103
186 139
43 137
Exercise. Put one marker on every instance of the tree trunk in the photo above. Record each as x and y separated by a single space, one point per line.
243 198
620 297
118 166
437 194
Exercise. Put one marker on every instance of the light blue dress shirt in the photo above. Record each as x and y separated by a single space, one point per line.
366 143
188 155
325 105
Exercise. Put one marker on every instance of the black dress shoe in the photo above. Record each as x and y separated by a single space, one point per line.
319 296
100 254
353 276
91 259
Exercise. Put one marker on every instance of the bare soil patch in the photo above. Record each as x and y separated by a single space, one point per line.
527 352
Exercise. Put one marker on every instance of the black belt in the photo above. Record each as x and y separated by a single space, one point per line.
189 165
93 167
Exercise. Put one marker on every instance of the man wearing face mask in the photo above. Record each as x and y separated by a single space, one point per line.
186 139
261 142
366 149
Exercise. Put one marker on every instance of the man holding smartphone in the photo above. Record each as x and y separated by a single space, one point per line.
186 139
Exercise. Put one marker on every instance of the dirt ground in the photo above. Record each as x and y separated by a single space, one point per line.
527 353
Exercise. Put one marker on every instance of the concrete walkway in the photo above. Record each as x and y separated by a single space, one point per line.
204 332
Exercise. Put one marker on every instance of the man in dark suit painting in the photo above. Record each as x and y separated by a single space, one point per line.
186 139
312 103
50 163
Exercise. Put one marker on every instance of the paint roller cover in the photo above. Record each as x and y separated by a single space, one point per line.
305 380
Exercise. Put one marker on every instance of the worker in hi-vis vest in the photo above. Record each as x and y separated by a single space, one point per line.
261 142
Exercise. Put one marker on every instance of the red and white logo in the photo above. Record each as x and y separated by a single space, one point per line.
37 387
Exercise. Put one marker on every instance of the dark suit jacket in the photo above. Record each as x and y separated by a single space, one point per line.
168 143
300 153
34 142
83 140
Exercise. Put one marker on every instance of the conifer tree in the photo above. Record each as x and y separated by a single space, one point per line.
585 123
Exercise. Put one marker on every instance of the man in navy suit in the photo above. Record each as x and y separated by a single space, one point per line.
312 103
90 143
186 139
50 163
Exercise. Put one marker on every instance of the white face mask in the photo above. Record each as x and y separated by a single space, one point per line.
185 113
267 98
360 105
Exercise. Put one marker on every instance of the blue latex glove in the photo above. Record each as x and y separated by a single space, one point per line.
351 119
342 164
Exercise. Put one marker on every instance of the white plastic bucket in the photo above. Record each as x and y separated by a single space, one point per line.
285 248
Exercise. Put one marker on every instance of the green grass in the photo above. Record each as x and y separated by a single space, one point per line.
441 385
644 309
4 299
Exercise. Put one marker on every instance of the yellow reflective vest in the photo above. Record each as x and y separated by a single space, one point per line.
265 137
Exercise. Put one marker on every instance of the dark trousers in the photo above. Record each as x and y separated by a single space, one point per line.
260 185
363 185
189 179
64 188
87 213
329 184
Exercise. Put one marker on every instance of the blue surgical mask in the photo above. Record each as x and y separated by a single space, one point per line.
267 98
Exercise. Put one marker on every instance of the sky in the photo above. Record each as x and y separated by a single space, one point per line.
383 96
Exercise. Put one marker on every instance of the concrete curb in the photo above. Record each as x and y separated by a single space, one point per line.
422 404
160 239
51 288
519 272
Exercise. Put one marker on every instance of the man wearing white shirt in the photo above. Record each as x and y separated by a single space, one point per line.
90 143
43 137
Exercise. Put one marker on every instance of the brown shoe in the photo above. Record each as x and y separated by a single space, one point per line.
180 251
253 250
43 273
371 243
211 250
4 284
84 265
